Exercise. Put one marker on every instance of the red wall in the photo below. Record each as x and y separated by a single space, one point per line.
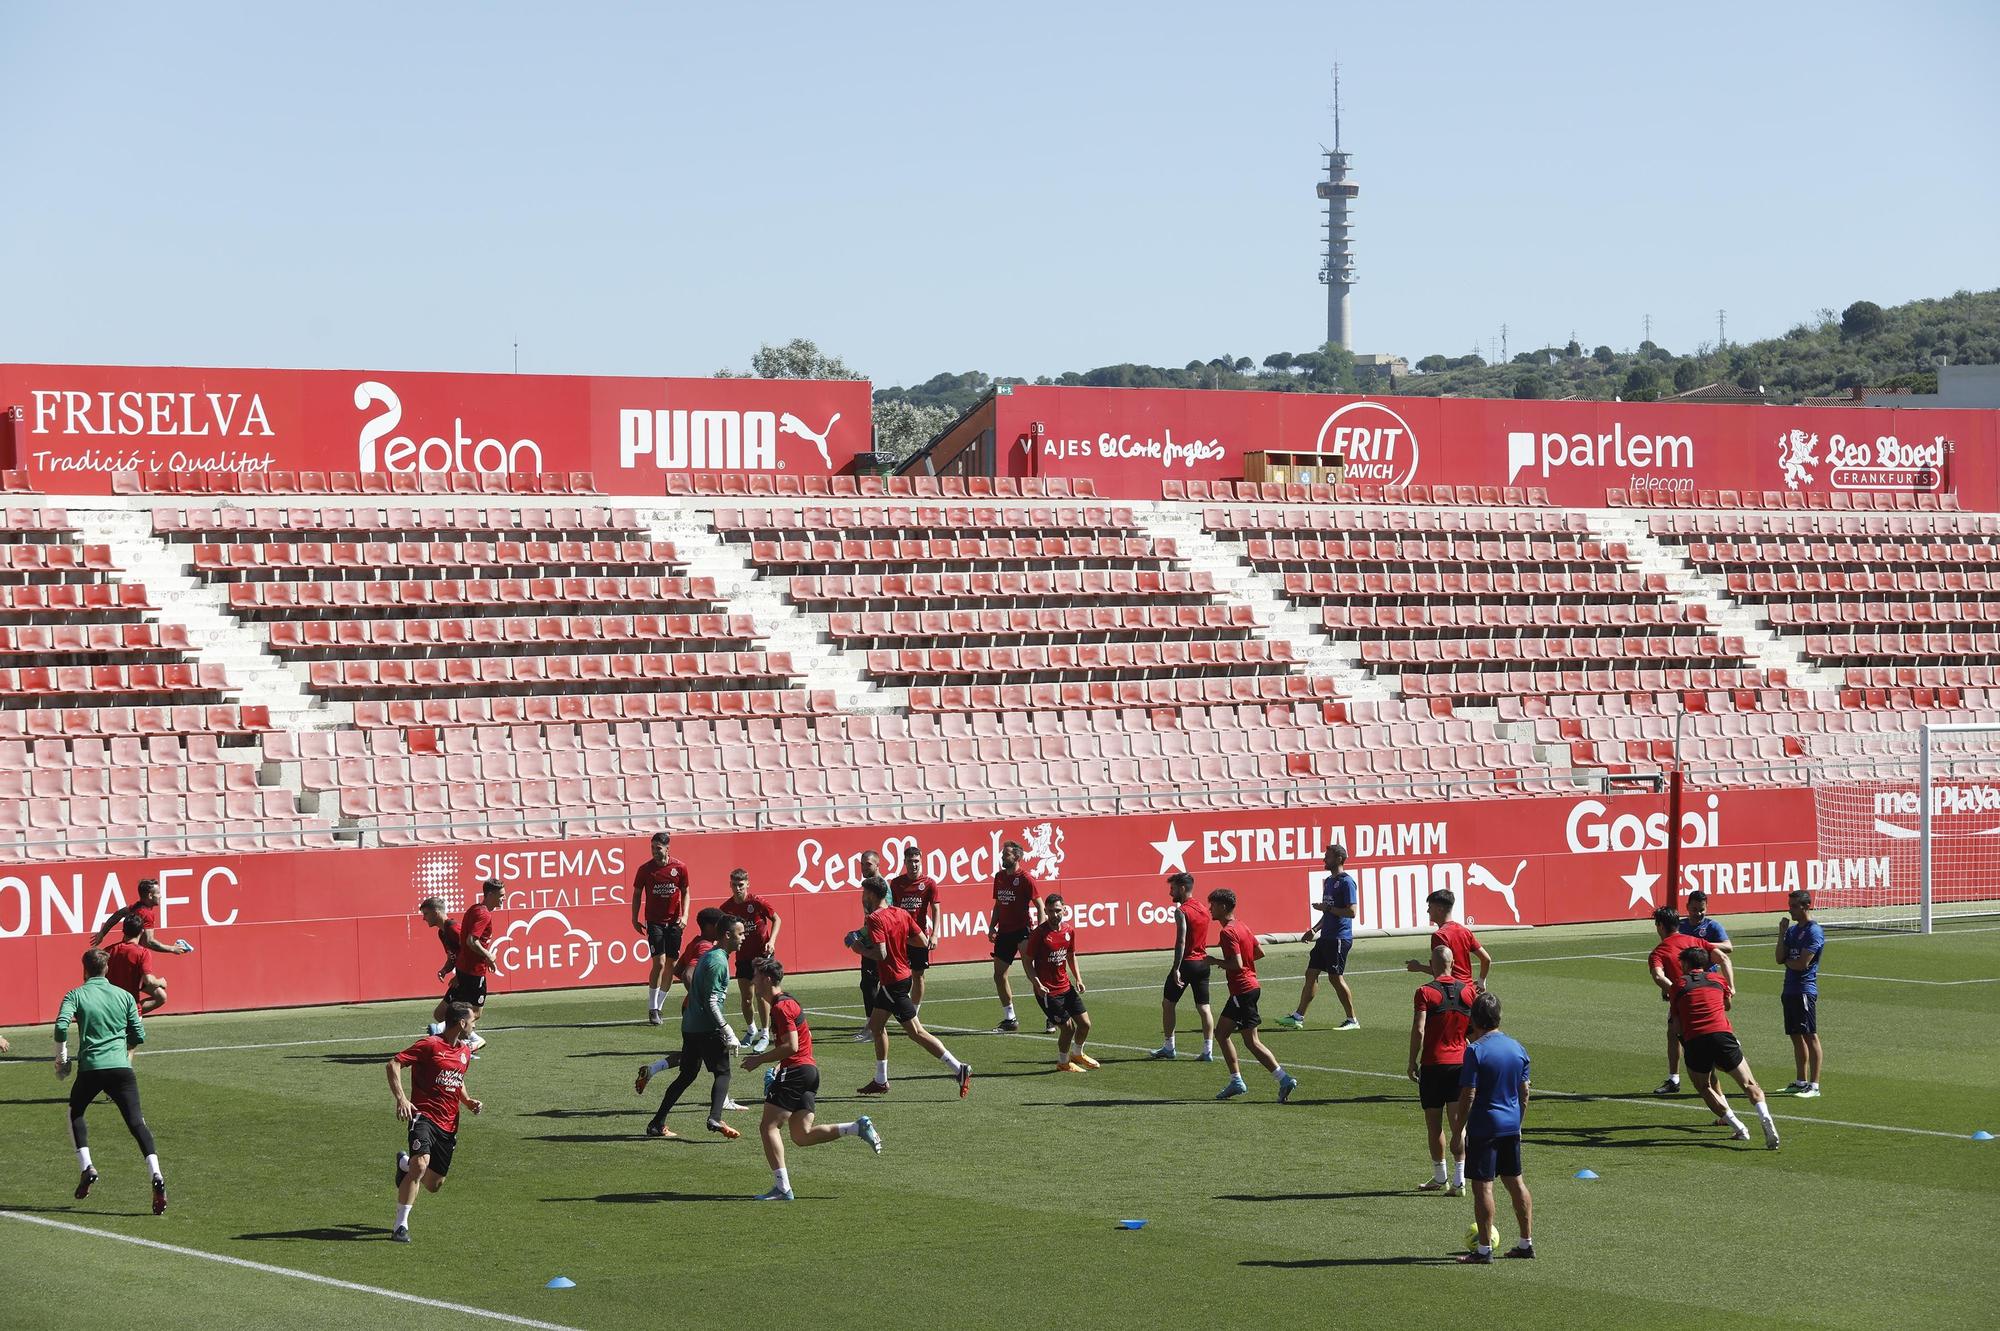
73 425
1129 440
337 926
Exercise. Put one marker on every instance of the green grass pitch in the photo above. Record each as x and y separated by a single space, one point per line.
277 1134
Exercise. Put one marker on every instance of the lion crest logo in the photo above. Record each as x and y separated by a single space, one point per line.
1042 850
1795 454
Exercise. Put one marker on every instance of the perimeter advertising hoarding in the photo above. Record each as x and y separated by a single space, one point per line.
1130 440
71 426
285 929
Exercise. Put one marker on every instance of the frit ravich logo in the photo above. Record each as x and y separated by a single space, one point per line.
1378 445
1795 454
683 440
1043 847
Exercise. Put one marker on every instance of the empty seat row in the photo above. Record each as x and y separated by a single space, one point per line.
547 558
900 521
160 840
24 682
587 523
545 708
1042 584
1128 693
1476 616
353 483
18 782
27 558
20 522
1480 586
149 750
187 720
1425 652
1344 492
53 812
1497 682
1272 523
1929 677
1123 657
1801 614
499 631
1924 526
97 639
37 601
943 625
687 669
1464 550
785 484
964 550
1812 582
1851 646
1862 554
1903 501
665 594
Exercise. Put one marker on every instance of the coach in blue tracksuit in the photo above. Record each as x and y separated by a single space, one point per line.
1800 944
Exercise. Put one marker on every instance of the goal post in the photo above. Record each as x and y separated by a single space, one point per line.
1909 832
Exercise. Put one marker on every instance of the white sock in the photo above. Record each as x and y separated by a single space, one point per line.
657 1066
1207 1046
882 1071
944 1058
402 1217
783 1179
1298 1014
1812 1085
1437 1171
1734 1121
1169 1044
402 1162
848 1129
1763 1109
153 1166
658 999
435 1028
1009 1014
1524 1242
1278 1073
1458 1173
1485 1248
83 1157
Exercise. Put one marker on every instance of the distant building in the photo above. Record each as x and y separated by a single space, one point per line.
1974 386
1721 394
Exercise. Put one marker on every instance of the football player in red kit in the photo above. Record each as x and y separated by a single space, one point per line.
1013 915
1051 951
437 1089
791 1090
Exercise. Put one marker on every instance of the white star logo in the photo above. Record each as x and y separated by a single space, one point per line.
1173 851
1641 882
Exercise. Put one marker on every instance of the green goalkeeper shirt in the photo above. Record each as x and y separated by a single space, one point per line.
107 1024
706 988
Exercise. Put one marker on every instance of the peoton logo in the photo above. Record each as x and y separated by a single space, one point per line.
461 452
1640 454
684 440
1378 445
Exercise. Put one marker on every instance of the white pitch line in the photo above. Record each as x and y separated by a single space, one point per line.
1878 979
1582 1096
462 1308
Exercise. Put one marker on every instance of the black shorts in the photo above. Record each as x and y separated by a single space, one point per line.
1241 1010
664 940
1801 1014
746 964
868 987
705 1048
1188 975
468 989
1329 955
794 1089
1437 1084
1488 1158
920 960
1717 1050
427 1138
1007 946
1065 1006
893 998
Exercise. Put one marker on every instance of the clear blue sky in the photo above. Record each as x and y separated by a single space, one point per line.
1021 188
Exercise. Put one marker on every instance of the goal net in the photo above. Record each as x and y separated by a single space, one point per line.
1910 835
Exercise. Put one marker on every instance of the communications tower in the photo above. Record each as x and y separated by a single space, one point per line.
1337 269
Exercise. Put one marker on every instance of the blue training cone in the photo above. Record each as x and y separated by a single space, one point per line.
1131 1224
561 1282
1585 1174
1982 1136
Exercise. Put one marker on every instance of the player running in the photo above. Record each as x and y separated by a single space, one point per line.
1051 951
707 923
1800 943
1335 932
1437 1055
706 1040
1486 1127
1240 951
476 961
885 938
1663 964
126 966
437 1089
1453 946
917 894
145 908
1013 916
660 902
1188 968
1701 1000
108 1029
791 1095
431 910
761 924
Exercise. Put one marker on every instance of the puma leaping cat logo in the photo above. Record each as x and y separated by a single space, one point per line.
1478 875
790 424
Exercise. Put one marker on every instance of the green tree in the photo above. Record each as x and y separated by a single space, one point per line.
902 427
1574 349
1279 361
1642 384
1860 319
1687 375
1751 379
1604 355
1531 386
799 358
1431 364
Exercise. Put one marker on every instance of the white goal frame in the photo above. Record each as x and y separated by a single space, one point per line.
1926 812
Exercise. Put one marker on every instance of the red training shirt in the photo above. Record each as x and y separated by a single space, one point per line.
1196 919
1667 956
1461 942
148 916
661 888
1048 951
1447 1005
916 894
1700 1003
439 1078
891 926
478 923
756 914
787 1015
691 952
1013 893
1239 956
127 968
448 940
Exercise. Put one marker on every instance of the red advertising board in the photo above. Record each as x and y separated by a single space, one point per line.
71 426
338 926
1129 440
